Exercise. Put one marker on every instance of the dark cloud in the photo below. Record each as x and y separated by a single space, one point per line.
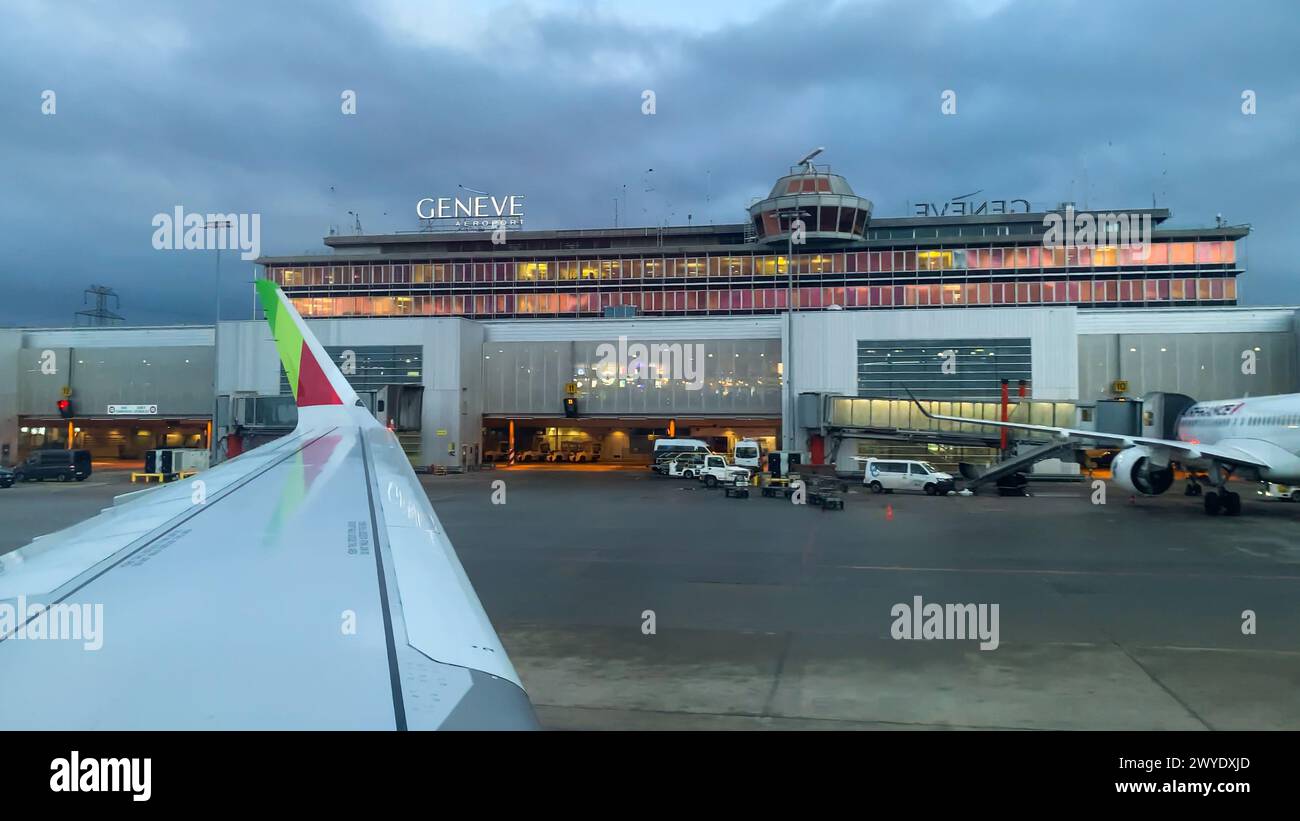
236 109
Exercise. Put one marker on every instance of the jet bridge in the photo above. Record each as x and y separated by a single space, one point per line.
894 427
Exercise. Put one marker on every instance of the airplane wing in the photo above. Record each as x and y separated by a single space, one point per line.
306 584
1230 454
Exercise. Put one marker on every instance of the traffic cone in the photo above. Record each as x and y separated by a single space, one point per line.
889 513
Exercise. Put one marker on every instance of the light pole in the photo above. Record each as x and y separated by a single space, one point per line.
216 330
791 407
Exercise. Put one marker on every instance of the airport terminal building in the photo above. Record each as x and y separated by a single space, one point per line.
467 341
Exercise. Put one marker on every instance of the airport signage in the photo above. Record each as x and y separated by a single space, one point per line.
479 212
968 208
132 410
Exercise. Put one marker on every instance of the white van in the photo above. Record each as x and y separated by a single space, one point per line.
747 455
888 475
667 448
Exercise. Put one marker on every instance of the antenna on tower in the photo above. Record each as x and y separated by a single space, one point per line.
334 227
806 162
100 314
646 188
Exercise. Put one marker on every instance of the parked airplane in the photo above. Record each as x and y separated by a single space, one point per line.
304 584
1253 438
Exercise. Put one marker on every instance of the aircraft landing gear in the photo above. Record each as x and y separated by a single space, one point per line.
1219 499
1227 503
1193 489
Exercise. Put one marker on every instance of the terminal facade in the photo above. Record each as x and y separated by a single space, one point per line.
704 331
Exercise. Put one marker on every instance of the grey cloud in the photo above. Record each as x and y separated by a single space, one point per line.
1107 103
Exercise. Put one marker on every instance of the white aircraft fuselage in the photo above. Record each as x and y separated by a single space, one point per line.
1265 426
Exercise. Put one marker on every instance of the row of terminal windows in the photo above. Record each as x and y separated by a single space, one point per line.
1292 420
1014 258
1013 228
766 300
816 219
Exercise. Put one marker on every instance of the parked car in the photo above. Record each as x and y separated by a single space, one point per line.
6 477
888 475
61 465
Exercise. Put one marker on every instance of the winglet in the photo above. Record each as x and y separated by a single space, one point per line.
314 378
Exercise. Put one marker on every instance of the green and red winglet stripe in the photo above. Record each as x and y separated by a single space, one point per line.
309 377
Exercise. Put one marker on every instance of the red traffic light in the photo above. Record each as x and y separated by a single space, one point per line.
65 408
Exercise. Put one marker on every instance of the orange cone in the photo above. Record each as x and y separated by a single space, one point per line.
889 513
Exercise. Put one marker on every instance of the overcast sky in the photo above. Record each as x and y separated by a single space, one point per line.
236 108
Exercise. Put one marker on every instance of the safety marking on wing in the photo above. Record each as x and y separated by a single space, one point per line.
154 549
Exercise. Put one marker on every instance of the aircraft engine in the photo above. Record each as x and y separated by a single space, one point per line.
1133 470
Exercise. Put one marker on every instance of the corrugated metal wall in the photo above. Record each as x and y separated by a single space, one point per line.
825 342
1204 365
1187 320
165 336
717 377
176 379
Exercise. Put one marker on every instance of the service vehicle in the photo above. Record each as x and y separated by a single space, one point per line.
1272 490
889 475
737 488
747 454
715 471
666 448
781 463
685 465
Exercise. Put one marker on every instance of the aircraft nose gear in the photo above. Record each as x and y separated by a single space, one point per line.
1227 503
1193 489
